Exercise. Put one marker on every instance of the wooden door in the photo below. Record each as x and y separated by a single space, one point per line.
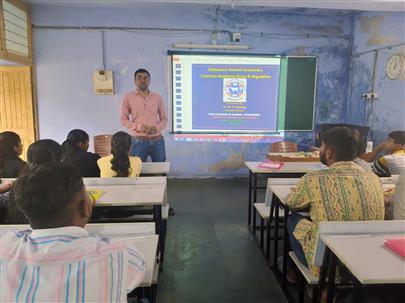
16 103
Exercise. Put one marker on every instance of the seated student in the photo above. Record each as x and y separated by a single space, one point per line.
119 163
4 200
343 192
38 153
358 160
391 163
58 260
75 152
4 191
10 149
44 151
398 200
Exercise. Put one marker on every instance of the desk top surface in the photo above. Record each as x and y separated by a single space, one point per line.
147 245
124 181
130 195
288 167
367 257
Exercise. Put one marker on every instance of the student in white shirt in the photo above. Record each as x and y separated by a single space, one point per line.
362 149
58 260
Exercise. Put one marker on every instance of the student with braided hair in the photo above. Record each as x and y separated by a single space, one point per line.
119 163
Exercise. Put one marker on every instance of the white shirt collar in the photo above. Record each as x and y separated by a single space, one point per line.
66 230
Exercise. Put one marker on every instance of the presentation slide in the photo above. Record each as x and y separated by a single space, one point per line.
225 93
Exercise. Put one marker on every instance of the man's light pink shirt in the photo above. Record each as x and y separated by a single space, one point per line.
137 111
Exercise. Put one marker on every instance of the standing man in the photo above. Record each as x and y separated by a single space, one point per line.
144 115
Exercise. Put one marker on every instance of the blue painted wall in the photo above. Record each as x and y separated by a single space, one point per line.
65 60
374 31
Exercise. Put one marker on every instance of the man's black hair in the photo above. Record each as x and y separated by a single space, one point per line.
44 192
398 136
141 71
343 141
44 151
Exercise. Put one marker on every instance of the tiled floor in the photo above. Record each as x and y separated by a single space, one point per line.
210 256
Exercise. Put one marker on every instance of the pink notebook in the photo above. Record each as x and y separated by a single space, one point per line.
270 165
396 245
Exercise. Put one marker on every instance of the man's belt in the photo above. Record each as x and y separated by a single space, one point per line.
146 138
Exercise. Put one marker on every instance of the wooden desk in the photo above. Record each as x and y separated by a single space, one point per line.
280 194
147 245
366 257
289 170
136 195
130 195
293 157
124 181
128 181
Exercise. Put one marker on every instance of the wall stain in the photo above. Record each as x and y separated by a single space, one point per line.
234 161
372 26
299 51
300 28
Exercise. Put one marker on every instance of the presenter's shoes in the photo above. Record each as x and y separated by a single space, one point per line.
171 211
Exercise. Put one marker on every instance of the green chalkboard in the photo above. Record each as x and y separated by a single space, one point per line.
297 93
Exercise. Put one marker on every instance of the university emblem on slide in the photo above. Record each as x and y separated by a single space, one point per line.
235 90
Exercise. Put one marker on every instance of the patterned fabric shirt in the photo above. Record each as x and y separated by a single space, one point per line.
67 265
344 192
390 164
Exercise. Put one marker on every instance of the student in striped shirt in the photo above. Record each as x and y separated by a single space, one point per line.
394 160
58 260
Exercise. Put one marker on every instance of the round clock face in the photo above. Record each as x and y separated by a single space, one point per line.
395 66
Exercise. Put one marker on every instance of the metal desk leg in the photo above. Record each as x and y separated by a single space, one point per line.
261 233
250 199
276 226
254 201
267 249
357 294
323 273
157 217
286 245
269 221
331 278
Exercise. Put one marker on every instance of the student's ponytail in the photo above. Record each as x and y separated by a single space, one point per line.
120 146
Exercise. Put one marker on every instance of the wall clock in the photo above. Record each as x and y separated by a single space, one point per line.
395 66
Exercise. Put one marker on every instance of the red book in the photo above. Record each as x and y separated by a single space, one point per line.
396 245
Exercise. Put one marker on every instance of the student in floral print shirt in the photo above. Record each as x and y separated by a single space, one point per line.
343 192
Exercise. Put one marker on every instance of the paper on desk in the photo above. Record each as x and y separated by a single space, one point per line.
396 245
271 165
95 194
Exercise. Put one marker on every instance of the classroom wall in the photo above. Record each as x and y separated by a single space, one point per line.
65 60
373 31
